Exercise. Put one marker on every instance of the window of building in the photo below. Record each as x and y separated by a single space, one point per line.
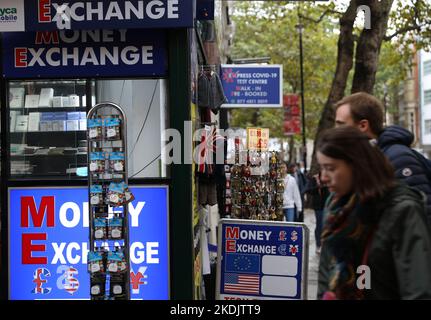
427 67
427 127
427 97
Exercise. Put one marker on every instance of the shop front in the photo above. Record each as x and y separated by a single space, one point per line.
56 64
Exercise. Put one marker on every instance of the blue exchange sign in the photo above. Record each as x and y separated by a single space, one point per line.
48 243
248 86
84 53
262 260
107 14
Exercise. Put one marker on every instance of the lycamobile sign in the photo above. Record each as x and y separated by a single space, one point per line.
8 14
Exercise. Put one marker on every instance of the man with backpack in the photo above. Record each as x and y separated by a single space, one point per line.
365 112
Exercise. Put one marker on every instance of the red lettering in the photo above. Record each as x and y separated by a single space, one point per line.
28 248
20 57
232 233
46 37
230 246
37 216
44 11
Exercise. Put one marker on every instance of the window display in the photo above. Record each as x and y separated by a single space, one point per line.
48 123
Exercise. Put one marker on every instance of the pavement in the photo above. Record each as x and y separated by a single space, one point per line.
313 258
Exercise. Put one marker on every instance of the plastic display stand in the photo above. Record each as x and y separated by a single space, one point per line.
108 259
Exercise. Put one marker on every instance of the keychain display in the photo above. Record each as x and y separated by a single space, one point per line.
254 191
108 259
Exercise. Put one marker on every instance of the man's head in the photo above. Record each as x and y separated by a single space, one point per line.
360 110
291 168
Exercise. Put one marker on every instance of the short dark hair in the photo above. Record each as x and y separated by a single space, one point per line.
373 175
364 106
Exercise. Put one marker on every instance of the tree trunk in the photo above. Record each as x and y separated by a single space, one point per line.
369 44
344 65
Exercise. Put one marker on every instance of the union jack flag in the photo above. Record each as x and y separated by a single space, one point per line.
39 281
210 140
241 283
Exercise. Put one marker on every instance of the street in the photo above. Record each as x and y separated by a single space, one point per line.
313 262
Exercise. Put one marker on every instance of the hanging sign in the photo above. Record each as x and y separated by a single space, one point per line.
257 139
292 121
48 243
262 260
107 14
251 86
84 53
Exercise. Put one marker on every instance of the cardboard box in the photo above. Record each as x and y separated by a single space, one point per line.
32 101
16 97
46 96
57 102
12 116
21 123
82 124
58 125
73 100
33 121
72 125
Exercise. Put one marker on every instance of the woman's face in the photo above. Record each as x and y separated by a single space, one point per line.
336 174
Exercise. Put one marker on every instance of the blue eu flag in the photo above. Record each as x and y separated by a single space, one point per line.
245 263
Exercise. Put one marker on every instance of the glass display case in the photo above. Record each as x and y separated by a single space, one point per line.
47 125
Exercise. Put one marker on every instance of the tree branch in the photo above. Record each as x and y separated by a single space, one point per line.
321 17
403 30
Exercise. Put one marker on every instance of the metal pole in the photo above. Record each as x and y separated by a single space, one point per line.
304 142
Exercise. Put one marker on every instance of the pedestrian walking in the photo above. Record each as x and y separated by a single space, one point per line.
319 194
365 112
291 197
372 221
301 181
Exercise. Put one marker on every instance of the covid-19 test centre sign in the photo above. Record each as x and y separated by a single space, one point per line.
48 243
252 86
262 260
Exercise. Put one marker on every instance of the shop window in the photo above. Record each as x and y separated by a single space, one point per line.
47 128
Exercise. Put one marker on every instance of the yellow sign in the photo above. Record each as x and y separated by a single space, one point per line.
257 139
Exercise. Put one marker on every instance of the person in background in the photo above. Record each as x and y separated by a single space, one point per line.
365 112
301 181
319 194
291 197
372 221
